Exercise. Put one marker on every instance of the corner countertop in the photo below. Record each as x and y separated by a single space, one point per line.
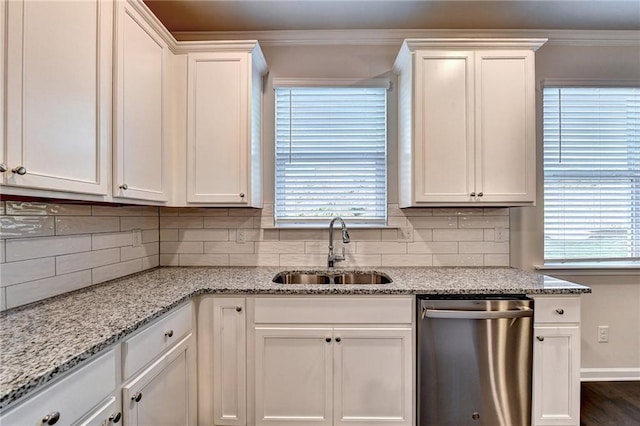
41 341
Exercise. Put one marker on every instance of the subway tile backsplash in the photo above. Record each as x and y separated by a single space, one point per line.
48 249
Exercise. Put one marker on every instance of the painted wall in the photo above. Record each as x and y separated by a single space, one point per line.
616 298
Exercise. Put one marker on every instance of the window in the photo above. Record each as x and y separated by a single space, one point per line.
591 173
331 149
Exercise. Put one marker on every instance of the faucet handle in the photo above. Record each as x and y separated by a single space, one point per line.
345 235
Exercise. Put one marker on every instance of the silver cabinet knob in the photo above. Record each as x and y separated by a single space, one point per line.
338 339
115 418
20 170
136 396
560 311
3 168
238 308
327 339
168 333
242 195
480 194
540 338
124 186
51 418
473 194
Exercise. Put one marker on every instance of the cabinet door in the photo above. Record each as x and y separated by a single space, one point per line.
293 376
229 362
163 393
59 94
505 126
218 128
444 122
556 377
141 74
373 376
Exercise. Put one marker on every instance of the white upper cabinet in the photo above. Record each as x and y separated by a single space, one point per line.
466 122
140 140
223 125
58 94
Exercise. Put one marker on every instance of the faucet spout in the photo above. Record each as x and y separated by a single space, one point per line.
332 258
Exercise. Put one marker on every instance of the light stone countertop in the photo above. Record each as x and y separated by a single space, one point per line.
41 341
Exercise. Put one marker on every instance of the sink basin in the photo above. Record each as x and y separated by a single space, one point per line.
301 278
342 277
362 278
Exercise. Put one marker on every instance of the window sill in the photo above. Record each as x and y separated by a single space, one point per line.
593 268
326 226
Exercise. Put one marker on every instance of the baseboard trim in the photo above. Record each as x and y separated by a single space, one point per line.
609 374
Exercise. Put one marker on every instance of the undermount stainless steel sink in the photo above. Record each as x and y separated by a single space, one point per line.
362 278
341 277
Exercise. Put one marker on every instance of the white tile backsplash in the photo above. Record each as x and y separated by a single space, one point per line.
52 248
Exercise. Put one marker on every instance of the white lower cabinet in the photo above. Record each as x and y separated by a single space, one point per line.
162 393
556 362
74 399
337 372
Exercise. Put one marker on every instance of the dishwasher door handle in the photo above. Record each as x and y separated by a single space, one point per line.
460 314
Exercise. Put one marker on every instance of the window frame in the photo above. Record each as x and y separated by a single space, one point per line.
322 222
575 265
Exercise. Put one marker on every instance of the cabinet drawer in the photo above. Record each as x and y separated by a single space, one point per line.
557 309
325 310
142 348
71 398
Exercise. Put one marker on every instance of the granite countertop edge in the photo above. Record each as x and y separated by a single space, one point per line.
176 285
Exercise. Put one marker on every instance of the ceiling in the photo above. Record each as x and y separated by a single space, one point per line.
271 15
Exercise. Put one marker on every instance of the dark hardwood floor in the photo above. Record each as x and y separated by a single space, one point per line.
610 404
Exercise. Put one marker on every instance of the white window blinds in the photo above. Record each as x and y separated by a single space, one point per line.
331 146
591 173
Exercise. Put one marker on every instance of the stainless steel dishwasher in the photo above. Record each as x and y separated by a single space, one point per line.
474 361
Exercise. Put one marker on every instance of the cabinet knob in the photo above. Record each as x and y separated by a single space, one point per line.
473 194
124 186
338 339
20 170
51 418
327 339
3 168
168 333
540 338
115 418
560 311
136 396
238 308
242 195
480 194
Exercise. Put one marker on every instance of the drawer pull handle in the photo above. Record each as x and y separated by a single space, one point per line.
338 339
238 308
115 418
327 339
560 311
480 194
242 195
124 186
21 170
136 396
168 333
51 418
3 168
473 194
540 338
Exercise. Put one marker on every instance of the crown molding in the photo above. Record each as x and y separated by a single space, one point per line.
397 36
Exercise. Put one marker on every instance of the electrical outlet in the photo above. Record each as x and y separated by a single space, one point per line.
603 334
240 238
500 234
136 237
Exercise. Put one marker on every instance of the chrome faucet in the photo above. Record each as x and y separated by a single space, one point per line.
332 258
